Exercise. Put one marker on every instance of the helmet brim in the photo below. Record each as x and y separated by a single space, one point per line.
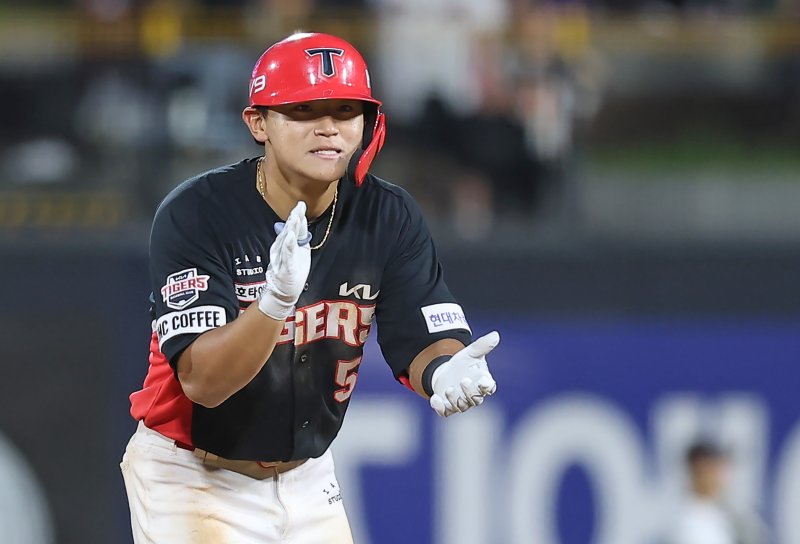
309 95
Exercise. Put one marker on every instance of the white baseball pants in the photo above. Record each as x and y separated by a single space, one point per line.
175 499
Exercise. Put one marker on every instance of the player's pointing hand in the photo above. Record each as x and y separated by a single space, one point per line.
464 381
289 265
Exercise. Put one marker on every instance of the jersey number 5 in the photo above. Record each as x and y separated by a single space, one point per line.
346 376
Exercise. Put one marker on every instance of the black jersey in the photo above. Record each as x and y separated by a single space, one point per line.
209 251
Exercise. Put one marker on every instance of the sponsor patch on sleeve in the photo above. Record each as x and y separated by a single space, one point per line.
191 321
249 292
183 288
444 317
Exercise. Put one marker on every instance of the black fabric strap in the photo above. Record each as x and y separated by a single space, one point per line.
427 374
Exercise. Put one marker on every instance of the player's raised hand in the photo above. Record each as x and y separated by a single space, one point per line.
289 265
464 381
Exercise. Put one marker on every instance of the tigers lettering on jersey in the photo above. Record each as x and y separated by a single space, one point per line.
330 319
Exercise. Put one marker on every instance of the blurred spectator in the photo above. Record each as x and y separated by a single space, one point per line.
329 6
105 10
493 142
705 517
289 13
488 175
430 47
719 6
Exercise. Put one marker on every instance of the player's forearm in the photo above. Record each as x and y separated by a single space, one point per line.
222 361
416 369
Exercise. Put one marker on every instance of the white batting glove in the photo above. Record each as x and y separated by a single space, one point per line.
464 381
289 264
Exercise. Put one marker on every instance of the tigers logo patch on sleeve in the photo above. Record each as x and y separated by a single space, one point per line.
183 288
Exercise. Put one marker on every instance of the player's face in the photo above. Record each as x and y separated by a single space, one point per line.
315 139
709 476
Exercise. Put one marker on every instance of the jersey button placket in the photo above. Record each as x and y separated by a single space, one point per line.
304 358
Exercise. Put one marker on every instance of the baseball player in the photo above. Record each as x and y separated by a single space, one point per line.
267 275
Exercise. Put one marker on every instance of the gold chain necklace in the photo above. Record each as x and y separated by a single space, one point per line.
260 187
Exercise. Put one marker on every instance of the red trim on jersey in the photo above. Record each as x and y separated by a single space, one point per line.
161 402
402 378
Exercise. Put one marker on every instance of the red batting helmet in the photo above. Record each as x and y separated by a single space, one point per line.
312 66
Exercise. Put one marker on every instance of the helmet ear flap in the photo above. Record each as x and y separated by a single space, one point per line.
371 112
361 160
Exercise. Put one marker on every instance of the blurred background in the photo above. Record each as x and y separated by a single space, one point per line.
614 185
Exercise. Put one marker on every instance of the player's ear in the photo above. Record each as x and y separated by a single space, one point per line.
256 122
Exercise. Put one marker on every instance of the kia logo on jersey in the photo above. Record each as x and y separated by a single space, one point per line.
361 291
183 288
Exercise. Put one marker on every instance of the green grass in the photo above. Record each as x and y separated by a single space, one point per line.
692 154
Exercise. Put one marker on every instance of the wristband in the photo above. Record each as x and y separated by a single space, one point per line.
427 374
273 303
275 308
